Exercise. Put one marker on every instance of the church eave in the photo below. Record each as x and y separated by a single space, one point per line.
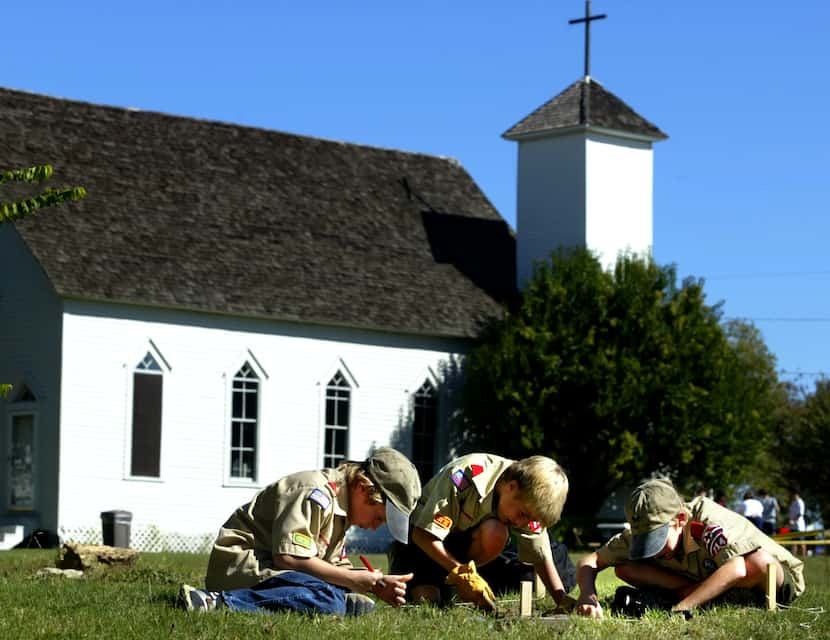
462 334
557 132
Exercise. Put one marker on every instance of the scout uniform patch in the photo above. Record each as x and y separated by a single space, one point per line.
301 540
445 522
534 526
714 539
475 469
320 498
459 480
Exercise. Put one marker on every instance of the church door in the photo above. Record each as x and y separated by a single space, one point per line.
21 462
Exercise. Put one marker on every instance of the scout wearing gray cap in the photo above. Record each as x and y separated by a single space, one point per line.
649 510
397 480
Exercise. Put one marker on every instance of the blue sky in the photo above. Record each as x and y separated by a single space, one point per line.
741 185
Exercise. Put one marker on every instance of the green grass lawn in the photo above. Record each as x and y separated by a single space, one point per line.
139 602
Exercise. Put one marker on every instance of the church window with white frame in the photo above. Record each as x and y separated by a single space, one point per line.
338 401
424 429
148 381
244 424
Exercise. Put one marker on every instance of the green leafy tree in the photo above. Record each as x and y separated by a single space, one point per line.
20 208
802 444
618 375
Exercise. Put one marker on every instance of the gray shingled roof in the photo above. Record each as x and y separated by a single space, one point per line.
567 110
222 218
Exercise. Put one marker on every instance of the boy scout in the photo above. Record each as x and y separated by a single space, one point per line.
285 548
695 551
464 519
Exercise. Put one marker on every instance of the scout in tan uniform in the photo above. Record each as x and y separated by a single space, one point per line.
285 547
696 551
465 517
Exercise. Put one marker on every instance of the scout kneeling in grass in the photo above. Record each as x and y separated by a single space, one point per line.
284 549
682 555
465 517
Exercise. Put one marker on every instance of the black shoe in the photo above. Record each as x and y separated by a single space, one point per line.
634 603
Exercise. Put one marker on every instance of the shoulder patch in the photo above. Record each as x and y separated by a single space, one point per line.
696 529
459 479
302 540
445 522
475 469
320 498
714 539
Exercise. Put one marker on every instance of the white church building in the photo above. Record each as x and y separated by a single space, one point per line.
232 304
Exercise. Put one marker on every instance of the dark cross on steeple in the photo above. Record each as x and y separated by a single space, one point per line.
587 20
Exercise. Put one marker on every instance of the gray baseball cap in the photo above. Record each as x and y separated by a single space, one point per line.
397 480
649 510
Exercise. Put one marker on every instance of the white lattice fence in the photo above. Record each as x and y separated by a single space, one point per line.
146 538
152 539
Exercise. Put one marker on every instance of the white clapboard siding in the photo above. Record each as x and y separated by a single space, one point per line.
199 355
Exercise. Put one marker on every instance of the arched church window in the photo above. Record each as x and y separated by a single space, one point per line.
148 383
244 424
424 429
338 400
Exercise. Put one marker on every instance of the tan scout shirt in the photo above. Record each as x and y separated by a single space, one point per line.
712 536
462 494
303 514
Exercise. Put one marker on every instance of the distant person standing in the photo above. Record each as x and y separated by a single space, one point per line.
769 519
796 517
752 509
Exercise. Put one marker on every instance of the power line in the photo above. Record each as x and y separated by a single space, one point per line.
780 319
758 276
801 374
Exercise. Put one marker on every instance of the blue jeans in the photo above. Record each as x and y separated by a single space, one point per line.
290 591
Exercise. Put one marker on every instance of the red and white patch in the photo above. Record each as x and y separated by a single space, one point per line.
534 526
475 469
714 539
445 522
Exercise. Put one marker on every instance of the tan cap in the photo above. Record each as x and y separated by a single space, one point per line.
397 479
649 510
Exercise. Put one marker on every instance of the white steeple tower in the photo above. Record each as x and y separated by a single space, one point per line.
585 174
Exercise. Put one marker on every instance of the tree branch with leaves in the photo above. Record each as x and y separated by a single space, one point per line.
10 211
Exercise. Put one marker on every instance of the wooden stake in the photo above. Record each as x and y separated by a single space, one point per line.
526 598
772 585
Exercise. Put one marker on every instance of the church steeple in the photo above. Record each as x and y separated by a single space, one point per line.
585 173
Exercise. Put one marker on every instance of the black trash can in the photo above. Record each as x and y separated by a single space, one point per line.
116 528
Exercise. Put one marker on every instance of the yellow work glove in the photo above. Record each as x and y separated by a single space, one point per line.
472 587
566 605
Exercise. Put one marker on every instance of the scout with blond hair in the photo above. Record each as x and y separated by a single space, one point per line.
465 517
